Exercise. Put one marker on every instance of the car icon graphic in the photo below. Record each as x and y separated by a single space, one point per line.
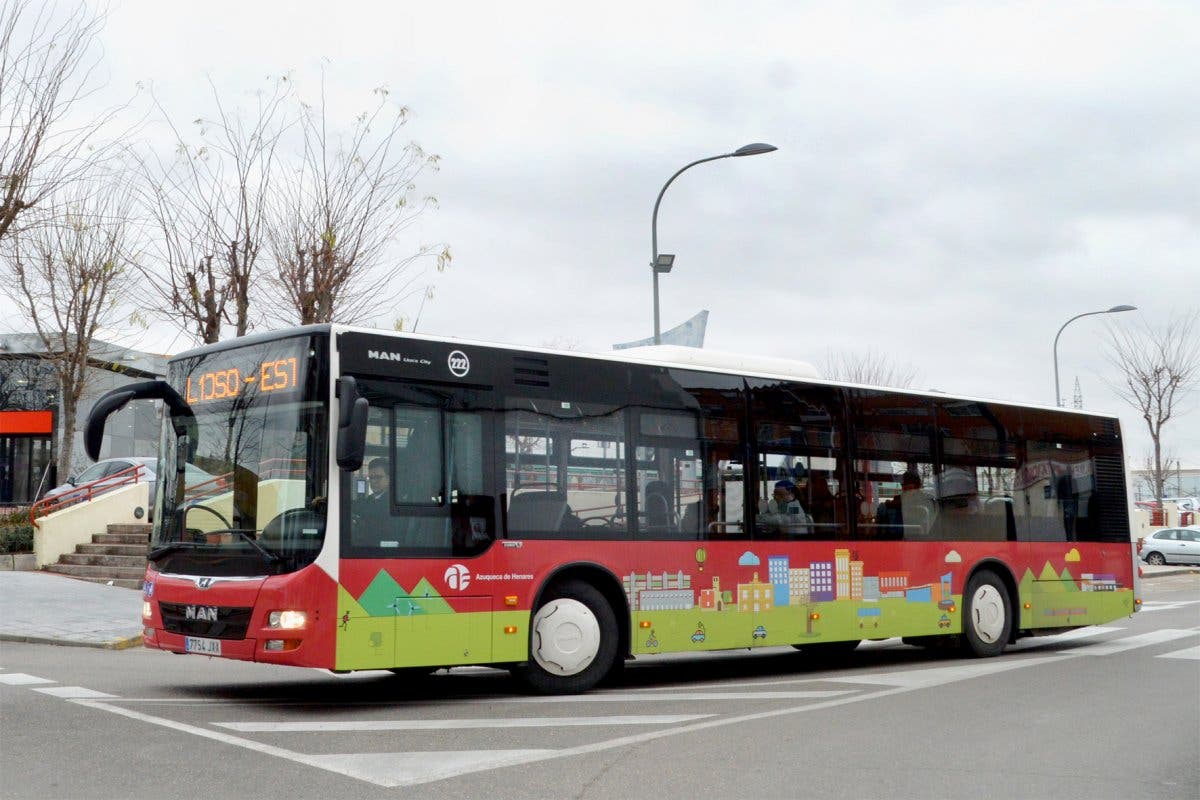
698 637
760 632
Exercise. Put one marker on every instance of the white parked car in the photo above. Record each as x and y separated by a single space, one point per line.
1172 546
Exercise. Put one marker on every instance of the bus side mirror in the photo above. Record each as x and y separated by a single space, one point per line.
180 412
352 425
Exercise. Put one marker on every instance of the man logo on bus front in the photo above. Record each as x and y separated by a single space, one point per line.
458 577
459 364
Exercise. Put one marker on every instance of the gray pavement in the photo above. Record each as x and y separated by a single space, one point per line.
46 608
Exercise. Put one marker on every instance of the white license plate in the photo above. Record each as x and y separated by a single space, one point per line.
208 647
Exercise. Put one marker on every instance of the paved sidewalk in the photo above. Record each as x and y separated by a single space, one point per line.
46 608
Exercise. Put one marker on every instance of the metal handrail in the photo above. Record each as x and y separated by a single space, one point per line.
86 492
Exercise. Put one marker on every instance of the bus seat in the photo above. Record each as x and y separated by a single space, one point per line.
657 507
691 519
536 511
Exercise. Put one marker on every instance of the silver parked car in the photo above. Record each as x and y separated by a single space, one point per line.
102 474
1172 546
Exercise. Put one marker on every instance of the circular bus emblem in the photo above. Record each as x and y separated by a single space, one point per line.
457 577
459 364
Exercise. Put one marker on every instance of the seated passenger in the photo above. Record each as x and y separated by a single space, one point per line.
821 502
783 511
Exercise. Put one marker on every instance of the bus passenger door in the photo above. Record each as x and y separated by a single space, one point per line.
422 509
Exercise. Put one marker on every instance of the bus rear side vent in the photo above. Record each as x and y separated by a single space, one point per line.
529 371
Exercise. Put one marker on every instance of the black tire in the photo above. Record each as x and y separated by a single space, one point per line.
560 652
1156 559
987 615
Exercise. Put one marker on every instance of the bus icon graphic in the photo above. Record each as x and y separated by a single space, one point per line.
457 577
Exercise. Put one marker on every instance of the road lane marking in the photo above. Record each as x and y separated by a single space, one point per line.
643 697
1065 636
1164 605
410 769
414 768
21 679
456 724
1191 652
1131 642
74 693
937 676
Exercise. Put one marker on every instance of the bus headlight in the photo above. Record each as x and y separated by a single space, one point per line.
287 620
146 610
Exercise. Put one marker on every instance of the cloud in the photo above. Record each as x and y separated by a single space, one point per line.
953 557
748 559
1072 555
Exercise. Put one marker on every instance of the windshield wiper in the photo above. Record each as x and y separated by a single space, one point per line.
269 555
168 548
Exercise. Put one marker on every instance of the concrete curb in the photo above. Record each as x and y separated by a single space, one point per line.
112 644
1163 572
23 562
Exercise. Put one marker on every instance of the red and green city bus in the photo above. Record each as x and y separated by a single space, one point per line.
389 501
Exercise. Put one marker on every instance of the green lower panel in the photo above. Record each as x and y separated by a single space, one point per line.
1057 604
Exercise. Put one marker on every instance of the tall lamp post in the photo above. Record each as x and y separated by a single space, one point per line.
662 263
1113 310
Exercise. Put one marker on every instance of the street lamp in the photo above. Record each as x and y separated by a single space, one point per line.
1113 310
663 263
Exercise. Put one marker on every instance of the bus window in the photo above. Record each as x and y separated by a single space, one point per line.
422 488
670 476
974 487
893 470
798 485
565 469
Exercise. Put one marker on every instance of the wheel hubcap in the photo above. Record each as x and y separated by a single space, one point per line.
566 637
987 614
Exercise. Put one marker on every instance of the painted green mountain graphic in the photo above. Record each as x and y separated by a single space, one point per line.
386 598
379 600
430 602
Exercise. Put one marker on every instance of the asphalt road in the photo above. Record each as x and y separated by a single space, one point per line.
1107 712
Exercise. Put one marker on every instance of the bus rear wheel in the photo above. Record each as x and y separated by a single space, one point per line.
572 640
987 615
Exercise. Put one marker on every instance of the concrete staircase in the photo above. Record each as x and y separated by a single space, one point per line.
117 557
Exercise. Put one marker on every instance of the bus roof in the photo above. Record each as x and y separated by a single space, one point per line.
673 356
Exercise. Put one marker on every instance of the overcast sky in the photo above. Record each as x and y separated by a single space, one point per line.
953 181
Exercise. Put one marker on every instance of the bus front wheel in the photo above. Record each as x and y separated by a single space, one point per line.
572 640
987 616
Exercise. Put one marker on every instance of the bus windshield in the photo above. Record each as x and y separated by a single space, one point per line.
247 496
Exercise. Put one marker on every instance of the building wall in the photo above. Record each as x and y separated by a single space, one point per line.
28 383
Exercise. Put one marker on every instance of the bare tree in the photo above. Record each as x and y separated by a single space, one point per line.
1159 367
45 69
337 218
69 273
208 206
869 368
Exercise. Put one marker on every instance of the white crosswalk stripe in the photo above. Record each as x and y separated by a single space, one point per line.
1127 643
1190 653
21 679
725 702
456 724
1159 605
74 693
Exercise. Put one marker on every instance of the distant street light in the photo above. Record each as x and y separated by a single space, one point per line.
1113 310
663 263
